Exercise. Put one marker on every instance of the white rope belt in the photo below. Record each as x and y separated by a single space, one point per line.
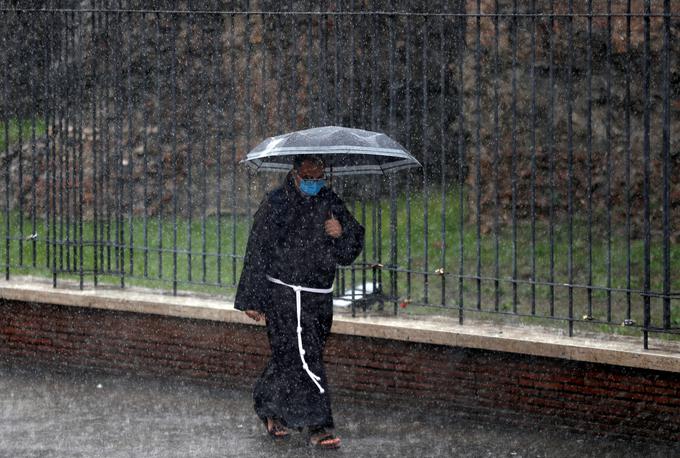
298 303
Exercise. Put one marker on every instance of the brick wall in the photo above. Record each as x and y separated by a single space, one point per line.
585 396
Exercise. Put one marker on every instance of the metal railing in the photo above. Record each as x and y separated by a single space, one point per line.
544 128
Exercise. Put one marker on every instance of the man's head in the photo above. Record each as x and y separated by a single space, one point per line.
308 171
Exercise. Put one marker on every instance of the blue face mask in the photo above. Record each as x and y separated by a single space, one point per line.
311 187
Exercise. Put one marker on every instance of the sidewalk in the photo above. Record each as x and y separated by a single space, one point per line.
57 412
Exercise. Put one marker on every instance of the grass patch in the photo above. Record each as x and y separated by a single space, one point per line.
14 130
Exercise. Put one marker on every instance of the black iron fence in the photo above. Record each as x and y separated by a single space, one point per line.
549 191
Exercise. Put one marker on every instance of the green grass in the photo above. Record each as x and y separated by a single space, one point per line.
149 265
447 255
12 130
154 268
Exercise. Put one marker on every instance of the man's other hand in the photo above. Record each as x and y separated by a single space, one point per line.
255 315
333 227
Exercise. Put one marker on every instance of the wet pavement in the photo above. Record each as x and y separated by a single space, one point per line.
57 412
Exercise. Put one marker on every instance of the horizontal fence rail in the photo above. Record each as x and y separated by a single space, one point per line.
550 186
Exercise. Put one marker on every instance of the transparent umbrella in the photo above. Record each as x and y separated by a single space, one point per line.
345 151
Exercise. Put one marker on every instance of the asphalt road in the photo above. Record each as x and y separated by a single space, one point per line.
56 412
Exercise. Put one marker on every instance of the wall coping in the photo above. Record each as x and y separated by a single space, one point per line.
529 340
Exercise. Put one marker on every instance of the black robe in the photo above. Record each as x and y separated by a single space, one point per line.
288 242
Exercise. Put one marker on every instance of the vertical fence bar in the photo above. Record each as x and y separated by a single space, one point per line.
263 89
407 108
248 107
232 114
120 181
263 110
570 166
426 160
646 175
363 121
589 161
551 160
279 70
666 148
65 157
392 182
159 146
533 157
95 145
375 122
63 127
442 149
375 118
461 163
66 146
173 130
56 113
478 142
188 99
62 94
442 153
336 66
75 141
323 19
218 142
19 148
496 160
81 116
145 147
130 138
71 128
352 58
205 101
48 114
108 177
6 165
513 161
34 150
608 148
337 113
351 106
112 160
313 116
104 174
628 163
293 70
339 282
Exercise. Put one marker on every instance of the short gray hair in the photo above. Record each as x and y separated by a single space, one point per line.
302 158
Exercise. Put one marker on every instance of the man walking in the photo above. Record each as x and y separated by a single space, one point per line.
301 232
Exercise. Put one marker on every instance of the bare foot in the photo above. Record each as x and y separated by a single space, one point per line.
324 439
276 429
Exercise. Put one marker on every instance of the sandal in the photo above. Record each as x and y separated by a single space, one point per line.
324 440
277 430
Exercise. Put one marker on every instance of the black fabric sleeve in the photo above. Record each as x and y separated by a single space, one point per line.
253 287
348 246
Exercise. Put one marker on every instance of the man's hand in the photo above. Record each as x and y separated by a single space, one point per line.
333 227
255 315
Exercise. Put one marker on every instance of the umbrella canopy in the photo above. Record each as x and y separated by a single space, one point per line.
345 151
